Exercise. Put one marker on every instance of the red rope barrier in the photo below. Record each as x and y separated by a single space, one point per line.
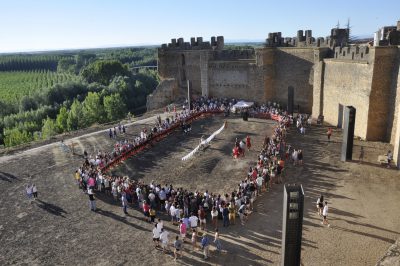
161 135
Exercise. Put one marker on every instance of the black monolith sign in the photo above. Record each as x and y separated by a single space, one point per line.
290 103
348 133
292 227
245 115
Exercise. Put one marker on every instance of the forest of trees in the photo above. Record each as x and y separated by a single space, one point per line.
75 91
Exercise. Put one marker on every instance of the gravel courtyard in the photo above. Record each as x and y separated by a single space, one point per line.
59 228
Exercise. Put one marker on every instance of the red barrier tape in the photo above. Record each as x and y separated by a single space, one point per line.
160 135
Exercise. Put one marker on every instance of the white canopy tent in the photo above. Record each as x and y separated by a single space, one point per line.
242 104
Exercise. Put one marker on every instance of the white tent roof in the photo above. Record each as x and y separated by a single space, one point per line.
243 104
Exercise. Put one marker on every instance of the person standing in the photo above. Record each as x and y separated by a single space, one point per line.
225 216
177 247
182 230
194 239
320 204
329 133
232 213
205 245
160 225
202 218
34 191
217 241
248 142
300 157
389 158
146 211
124 202
361 157
214 217
325 215
152 213
164 240
156 236
92 200
193 221
242 212
29 192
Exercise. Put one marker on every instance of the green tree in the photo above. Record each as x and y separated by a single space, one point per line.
93 110
14 136
114 106
66 65
49 128
62 120
27 103
75 116
103 71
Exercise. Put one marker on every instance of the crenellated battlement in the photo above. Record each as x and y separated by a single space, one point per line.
355 52
216 43
338 37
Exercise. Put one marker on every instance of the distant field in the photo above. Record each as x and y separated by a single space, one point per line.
15 84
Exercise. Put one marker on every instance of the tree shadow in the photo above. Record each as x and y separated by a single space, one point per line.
51 208
121 219
389 240
7 177
377 165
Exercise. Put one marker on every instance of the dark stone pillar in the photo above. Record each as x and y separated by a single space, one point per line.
292 228
290 104
348 133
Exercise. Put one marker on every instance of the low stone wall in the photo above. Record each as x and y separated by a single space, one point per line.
164 94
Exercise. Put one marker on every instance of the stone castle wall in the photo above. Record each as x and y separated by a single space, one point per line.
294 67
380 117
347 83
326 76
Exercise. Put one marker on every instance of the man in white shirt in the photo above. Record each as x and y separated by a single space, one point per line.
325 215
193 220
172 212
259 181
156 236
164 240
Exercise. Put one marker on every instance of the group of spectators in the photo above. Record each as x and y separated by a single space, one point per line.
191 209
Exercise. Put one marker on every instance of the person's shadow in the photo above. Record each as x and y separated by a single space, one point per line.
51 208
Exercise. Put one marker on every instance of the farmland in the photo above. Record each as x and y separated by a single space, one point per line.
15 84
48 93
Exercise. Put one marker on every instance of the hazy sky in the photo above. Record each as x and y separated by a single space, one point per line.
57 24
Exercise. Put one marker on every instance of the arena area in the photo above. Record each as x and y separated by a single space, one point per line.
60 229
212 169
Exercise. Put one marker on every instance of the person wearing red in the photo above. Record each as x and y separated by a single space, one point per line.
248 142
235 152
146 211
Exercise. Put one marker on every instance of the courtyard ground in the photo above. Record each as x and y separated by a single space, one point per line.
59 228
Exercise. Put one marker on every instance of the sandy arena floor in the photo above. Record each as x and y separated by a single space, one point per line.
59 228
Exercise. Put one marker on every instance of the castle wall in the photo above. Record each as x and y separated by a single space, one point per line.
236 79
395 135
380 117
347 83
182 65
394 98
265 63
163 95
294 67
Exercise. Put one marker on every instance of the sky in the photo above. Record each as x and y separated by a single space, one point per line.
39 25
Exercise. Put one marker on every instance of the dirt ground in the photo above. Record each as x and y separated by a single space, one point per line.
59 228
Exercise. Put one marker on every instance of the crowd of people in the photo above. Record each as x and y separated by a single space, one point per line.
191 211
